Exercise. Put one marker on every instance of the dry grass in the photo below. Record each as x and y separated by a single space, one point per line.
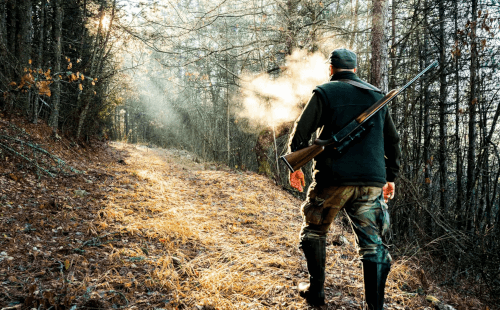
227 239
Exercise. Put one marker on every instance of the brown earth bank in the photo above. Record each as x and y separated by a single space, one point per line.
122 226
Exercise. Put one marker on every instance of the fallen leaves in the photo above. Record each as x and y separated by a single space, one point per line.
163 232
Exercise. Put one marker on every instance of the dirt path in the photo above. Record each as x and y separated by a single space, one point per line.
231 236
161 230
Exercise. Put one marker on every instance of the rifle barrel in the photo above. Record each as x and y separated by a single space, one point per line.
367 114
432 65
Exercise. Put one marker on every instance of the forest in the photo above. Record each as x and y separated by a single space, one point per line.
226 80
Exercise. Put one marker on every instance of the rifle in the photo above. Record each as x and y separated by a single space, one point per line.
351 133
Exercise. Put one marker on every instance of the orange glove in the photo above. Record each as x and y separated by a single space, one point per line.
297 180
389 189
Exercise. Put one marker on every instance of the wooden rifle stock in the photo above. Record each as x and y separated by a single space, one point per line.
297 159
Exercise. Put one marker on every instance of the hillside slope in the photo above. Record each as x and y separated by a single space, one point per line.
146 228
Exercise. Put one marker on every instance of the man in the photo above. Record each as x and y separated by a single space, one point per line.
359 180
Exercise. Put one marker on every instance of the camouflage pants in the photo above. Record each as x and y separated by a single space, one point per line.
366 208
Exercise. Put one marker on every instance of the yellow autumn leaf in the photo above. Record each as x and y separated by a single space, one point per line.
432 299
43 88
66 264
70 65
80 87
27 79
29 61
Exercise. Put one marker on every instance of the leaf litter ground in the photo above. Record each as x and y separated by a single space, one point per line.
147 228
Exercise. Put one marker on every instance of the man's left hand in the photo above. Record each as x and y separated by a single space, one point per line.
389 190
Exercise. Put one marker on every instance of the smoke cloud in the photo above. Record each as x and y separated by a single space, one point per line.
271 101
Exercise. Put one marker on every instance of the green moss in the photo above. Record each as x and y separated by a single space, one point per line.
265 168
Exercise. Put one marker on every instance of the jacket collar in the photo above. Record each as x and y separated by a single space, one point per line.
344 75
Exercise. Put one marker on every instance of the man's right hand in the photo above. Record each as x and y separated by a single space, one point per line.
297 180
389 190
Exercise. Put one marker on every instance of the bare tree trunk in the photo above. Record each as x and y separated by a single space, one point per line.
126 123
12 24
427 157
226 78
494 191
471 156
290 39
41 36
392 78
443 165
3 26
11 27
49 26
25 42
458 152
4 76
56 93
354 25
378 44
484 208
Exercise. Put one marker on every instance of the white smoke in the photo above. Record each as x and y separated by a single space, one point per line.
269 101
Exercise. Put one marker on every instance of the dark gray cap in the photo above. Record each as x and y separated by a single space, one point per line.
343 58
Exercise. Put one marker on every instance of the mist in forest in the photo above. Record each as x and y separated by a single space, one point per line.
150 94
270 101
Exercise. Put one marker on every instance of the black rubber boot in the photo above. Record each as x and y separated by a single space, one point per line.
375 275
314 249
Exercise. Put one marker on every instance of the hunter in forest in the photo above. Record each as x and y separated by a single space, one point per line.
360 181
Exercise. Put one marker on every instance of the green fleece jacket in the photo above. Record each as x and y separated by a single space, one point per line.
373 160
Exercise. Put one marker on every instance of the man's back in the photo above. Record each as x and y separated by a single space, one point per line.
363 163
